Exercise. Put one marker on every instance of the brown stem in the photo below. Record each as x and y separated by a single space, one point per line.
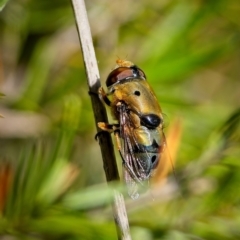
100 115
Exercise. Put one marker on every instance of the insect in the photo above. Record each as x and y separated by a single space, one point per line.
139 127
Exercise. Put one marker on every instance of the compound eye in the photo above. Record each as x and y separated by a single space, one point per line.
142 74
150 120
119 74
138 72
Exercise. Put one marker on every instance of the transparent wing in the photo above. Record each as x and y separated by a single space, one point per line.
138 159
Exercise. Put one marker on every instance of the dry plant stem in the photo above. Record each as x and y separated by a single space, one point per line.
100 115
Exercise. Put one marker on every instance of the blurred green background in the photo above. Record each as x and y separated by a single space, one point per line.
52 183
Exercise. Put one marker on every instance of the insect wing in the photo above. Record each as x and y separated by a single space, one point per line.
132 185
135 171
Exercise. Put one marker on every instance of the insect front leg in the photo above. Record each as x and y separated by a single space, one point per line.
111 128
103 96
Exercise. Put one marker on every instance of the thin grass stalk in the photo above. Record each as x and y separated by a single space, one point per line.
100 115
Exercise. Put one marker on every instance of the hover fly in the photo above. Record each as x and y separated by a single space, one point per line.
139 127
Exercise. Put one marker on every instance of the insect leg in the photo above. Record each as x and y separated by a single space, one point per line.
111 128
103 96
114 128
118 141
108 127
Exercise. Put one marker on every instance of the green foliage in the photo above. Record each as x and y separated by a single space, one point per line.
50 165
2 4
